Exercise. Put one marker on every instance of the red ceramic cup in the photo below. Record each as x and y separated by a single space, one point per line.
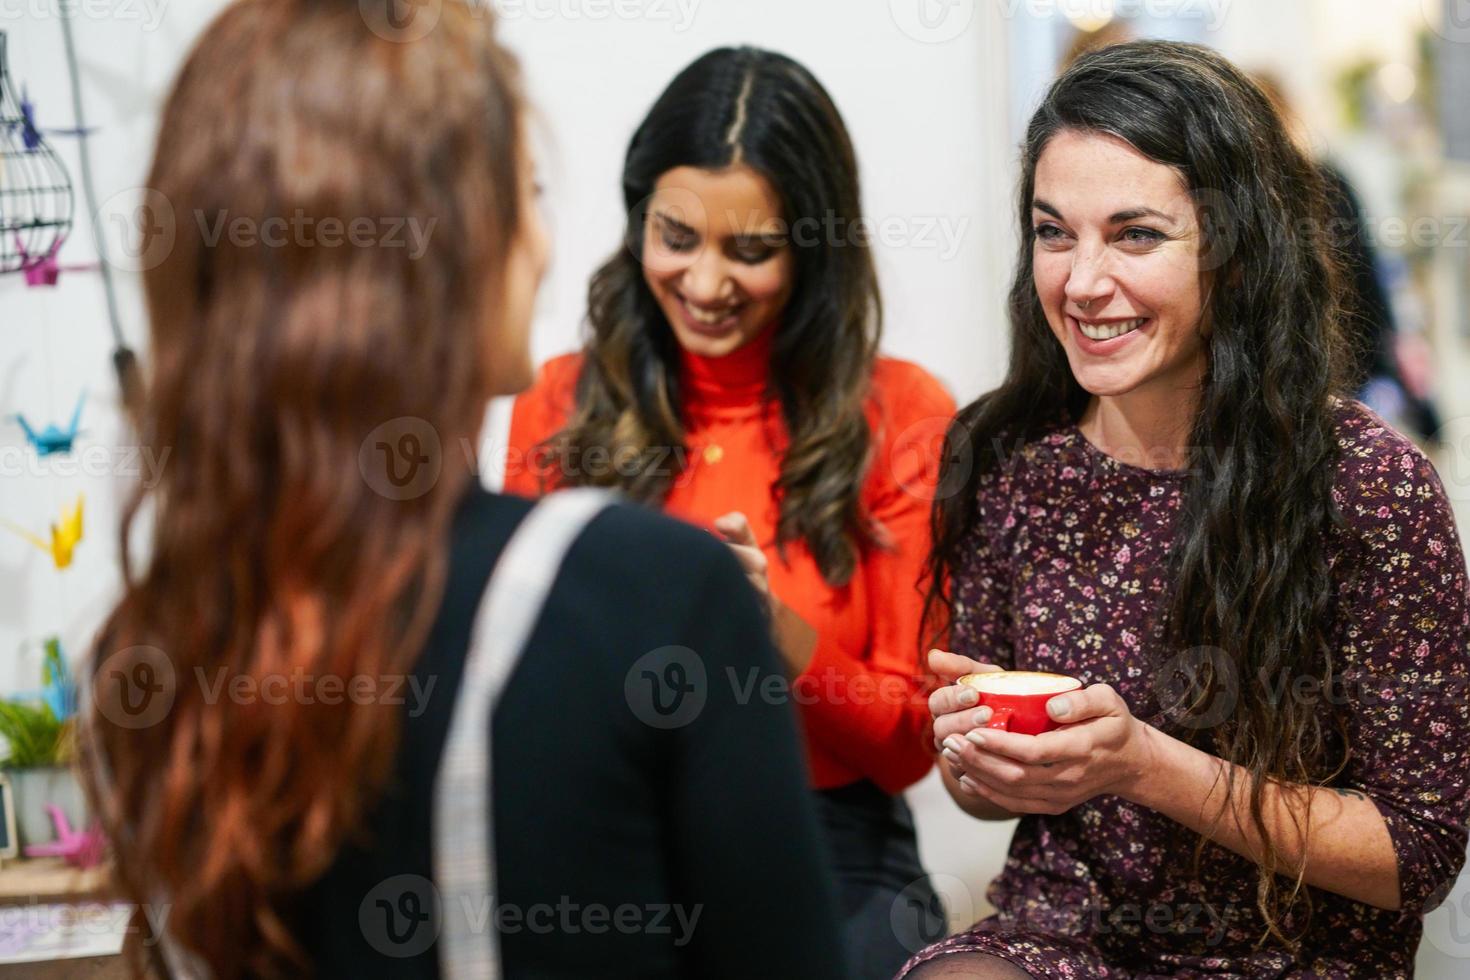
1017 698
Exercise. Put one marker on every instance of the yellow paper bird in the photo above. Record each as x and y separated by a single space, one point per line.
64 535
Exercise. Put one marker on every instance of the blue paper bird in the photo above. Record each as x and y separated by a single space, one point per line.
30 132
51 439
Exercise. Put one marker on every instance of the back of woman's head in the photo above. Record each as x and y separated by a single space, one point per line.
337 203
748 107
1250 575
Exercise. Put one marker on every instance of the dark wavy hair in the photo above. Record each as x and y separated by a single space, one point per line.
275 546
764 110
1249 565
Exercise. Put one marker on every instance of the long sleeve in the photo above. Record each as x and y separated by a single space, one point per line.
873 712
1407 656
745 839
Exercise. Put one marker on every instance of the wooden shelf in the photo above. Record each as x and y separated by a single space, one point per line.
52 878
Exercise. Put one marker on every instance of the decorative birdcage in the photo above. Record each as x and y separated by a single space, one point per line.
36 201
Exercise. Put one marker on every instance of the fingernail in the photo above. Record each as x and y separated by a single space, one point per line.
968 785
1060 706
982 716
976 739
953 744
950 756
969 696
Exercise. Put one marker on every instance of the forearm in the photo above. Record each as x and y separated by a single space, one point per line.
1346 848
976 806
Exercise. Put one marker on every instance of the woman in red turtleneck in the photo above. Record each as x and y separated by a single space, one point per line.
731 377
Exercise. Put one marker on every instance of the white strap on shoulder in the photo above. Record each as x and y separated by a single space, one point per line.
464 853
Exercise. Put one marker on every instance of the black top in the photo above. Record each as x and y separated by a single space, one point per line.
639 831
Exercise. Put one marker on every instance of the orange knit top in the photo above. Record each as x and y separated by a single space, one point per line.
863 698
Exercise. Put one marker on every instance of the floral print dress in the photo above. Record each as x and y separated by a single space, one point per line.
1066 572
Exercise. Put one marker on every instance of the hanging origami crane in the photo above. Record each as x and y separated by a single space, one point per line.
64 535
58 689
30 133
44 270
52 439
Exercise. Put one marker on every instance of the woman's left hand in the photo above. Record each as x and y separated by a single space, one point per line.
1100 748
794 636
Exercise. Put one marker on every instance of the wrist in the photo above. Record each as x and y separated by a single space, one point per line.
1151 769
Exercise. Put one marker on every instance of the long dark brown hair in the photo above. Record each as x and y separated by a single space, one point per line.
768 112
276 543
1249 564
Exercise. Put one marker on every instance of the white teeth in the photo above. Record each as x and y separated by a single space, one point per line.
706 316
1107 331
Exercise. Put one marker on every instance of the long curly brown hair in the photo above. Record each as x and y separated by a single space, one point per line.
1250 572
274 549
771 114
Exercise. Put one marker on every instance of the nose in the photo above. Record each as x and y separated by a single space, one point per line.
705 281
1091 280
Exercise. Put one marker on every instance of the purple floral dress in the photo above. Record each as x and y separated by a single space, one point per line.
1067 569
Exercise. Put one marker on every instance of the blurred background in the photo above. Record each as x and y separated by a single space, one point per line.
936 94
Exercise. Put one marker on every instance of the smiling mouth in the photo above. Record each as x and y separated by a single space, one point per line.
1107 331
710 318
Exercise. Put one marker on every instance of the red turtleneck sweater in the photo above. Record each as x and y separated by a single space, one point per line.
863 696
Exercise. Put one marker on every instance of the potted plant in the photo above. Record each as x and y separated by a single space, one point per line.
39 752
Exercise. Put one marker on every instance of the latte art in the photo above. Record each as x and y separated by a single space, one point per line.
1020 682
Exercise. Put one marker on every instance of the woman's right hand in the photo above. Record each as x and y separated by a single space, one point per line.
953 706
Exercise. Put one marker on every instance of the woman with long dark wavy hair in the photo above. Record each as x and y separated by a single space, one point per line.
298 668
1258 581
731 377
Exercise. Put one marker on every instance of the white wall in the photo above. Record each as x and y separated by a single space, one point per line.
924 103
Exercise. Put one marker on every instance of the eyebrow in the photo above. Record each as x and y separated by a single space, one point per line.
675 223
1117 218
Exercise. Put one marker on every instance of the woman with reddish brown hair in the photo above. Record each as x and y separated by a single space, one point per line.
289 731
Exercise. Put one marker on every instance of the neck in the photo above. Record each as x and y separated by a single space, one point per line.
1148 428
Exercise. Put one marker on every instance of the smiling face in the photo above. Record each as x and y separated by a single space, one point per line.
1117 267
715 256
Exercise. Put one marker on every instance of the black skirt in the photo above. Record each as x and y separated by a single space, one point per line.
889 908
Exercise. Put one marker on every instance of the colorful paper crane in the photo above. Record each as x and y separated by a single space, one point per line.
53 439
58 689
30 133
80 848
44 270
64 535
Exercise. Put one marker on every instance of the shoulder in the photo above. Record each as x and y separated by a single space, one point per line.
556 380
904 390
641 561
1385 488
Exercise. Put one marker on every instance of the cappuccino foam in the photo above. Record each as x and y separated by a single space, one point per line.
1021 682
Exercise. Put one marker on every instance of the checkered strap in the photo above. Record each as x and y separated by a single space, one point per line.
464 852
